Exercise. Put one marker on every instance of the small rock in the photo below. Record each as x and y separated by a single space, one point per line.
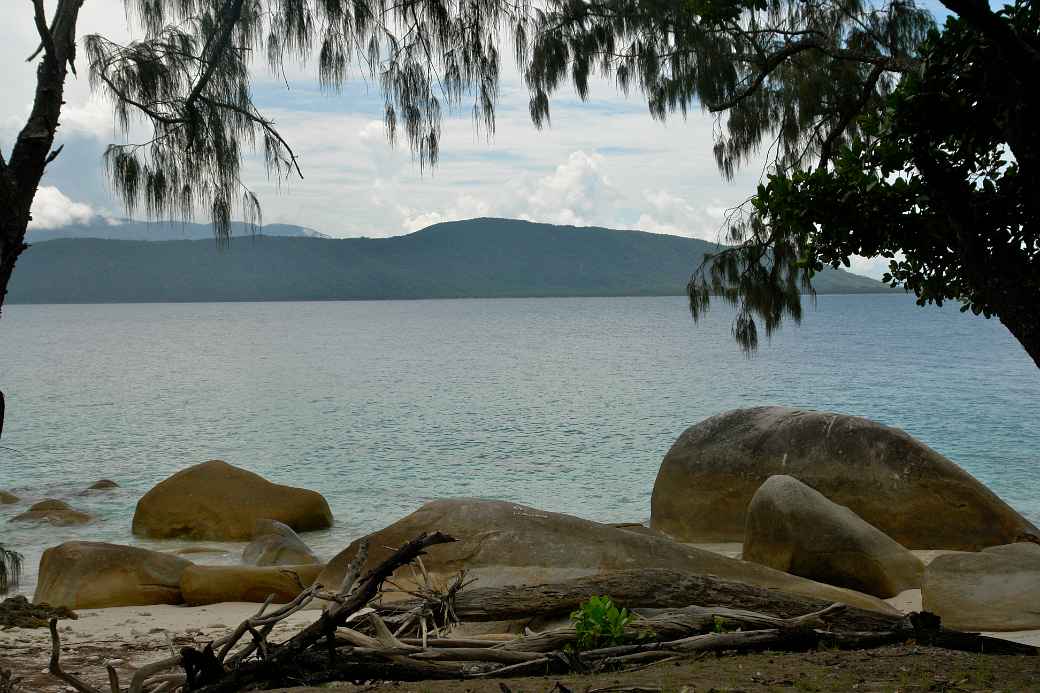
56 512
275 543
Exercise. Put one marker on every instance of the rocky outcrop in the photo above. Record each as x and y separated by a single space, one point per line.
212 584
276 544
796 529
55 512
216 500
94 575
996 589
503 543
901 486
8 498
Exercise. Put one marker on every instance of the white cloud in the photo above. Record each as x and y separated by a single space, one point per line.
578 192
671 214
52 209
873 267
93 118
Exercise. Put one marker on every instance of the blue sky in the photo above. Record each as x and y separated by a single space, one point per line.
605 162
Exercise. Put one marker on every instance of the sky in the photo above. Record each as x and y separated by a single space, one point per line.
604 162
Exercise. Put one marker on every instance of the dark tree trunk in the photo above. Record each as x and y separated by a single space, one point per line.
20 177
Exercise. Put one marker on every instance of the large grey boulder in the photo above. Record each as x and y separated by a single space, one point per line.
501 543
274 543
95 575
796 529
996 589
218 501
901 486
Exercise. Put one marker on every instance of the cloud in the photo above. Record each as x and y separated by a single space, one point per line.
93 118
873 267
52 209
577 192
671 214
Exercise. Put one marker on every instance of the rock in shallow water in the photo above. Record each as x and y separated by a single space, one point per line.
896 483
218 501
7 498
55 512
502 543
796 529
95 575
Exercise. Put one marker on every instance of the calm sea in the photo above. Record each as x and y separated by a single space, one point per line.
565 404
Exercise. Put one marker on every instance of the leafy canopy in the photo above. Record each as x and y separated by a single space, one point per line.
942 181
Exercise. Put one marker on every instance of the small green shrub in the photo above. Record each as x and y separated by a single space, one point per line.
600 623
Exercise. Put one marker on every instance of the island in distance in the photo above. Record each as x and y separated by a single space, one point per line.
477 258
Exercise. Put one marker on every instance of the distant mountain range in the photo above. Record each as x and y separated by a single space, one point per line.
128 230
463 259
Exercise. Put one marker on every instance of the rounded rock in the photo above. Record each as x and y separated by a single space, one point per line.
901 486
218 501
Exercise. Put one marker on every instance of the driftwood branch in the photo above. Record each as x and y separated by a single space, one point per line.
55 664
643 589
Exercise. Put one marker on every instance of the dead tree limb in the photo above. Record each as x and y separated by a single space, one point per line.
55 664
288 656
642 589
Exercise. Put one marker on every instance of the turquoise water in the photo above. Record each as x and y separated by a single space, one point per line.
565 404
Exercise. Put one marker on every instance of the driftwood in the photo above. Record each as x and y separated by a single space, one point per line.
643 589
673 625
352 641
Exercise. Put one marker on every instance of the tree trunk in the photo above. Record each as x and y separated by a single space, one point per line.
1023 322
20 177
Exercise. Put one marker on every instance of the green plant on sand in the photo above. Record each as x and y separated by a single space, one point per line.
600 623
